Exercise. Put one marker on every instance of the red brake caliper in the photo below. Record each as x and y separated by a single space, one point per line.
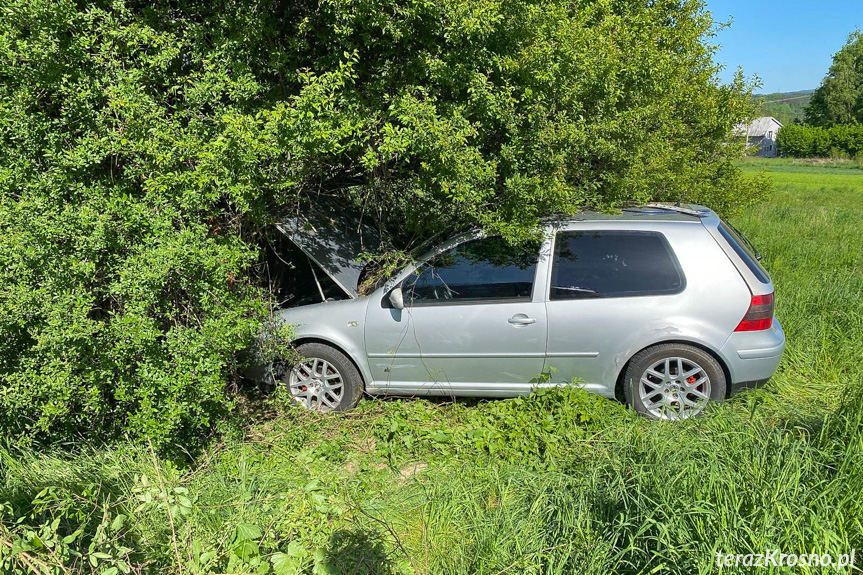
690 379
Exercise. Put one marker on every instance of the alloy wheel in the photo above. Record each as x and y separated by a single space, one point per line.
674 388
316 384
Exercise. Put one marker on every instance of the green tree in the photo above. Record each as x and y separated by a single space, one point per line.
147 147
839 99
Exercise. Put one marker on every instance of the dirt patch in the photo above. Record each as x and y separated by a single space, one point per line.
366 444
410 470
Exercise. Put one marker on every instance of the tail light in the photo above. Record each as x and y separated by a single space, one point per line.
760 314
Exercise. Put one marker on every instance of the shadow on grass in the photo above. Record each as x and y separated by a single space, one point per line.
358 552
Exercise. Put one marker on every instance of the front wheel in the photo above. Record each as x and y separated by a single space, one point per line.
673 381
324 379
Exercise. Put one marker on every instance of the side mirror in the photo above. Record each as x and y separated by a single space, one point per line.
397 298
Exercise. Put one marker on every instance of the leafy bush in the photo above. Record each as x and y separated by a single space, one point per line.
147 147
799 141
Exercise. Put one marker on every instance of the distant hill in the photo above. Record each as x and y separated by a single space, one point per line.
786 107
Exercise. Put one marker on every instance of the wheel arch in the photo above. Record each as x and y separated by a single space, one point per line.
618 386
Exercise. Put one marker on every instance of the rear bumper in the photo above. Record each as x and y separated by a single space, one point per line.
752 357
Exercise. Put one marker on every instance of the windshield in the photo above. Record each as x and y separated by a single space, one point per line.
380 268
488 268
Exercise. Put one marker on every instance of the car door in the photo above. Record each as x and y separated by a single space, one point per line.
607 284
470 325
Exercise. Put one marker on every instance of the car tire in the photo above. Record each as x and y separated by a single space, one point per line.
324 379
673 381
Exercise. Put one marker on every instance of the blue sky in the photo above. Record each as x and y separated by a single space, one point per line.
789 43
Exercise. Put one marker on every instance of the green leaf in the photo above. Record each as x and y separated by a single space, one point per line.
284 564
295 549
248 532
442 437
247 550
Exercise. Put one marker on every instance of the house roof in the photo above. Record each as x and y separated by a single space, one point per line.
758 127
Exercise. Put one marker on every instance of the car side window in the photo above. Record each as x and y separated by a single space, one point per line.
593 264
739 243
484 270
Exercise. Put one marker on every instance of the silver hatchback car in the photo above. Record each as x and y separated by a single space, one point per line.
665 306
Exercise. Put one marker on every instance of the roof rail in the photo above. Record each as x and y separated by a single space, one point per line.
678 209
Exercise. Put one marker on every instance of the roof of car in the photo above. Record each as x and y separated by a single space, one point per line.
649 212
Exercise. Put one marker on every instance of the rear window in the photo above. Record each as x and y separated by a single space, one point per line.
740 245
613 264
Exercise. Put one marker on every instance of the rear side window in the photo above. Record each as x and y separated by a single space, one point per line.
613 264
485 270
739 244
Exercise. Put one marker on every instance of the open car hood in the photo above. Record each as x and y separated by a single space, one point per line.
333 239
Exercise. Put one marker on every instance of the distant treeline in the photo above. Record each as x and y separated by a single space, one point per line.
787 107
799 141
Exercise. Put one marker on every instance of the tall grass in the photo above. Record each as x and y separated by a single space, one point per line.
556 483
654 498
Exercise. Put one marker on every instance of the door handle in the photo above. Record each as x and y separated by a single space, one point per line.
521 319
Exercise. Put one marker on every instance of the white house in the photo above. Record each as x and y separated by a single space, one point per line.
761 132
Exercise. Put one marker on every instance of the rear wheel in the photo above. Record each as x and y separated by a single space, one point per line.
324 379
673 381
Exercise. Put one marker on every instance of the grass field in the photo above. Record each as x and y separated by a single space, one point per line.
555 483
